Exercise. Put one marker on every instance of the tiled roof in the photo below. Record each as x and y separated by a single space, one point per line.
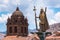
29 37
14 38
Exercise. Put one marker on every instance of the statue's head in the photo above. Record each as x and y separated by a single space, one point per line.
41 10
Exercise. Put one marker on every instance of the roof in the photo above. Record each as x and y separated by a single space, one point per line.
14 38
29 37
53 38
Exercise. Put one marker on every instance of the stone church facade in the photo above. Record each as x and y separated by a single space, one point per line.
17 24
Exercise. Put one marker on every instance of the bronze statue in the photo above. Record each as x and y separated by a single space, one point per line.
43 21
43 24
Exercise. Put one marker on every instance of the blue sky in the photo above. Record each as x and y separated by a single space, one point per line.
7 7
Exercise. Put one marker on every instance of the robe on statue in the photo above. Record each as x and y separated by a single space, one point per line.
43 21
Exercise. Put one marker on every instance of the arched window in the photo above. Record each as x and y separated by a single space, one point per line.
24 29
10 23
10 29
21 29
15 29
15 21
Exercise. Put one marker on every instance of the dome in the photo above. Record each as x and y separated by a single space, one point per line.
18 12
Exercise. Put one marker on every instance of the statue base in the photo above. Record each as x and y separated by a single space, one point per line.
42 35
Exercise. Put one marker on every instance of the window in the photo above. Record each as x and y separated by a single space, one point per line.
10 29
15 29
10 23
21 29
24 29
17 15
15 20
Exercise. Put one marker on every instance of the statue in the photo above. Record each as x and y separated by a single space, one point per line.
43 24
43 21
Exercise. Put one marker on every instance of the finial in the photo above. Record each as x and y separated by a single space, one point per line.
34 9
17 9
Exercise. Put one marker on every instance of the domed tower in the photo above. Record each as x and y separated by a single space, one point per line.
17 24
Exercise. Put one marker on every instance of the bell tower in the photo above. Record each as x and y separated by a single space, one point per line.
17 24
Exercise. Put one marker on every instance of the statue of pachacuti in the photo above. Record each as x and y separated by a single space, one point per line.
43 21
43 24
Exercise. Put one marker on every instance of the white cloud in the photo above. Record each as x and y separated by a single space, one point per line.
58 6
57 17
40 3
5 1
3 5
29 0
53 3
16 2
52 21
49 13
4 17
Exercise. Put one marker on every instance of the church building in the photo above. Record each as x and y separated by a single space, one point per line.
17 24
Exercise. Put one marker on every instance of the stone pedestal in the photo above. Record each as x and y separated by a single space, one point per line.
41 35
